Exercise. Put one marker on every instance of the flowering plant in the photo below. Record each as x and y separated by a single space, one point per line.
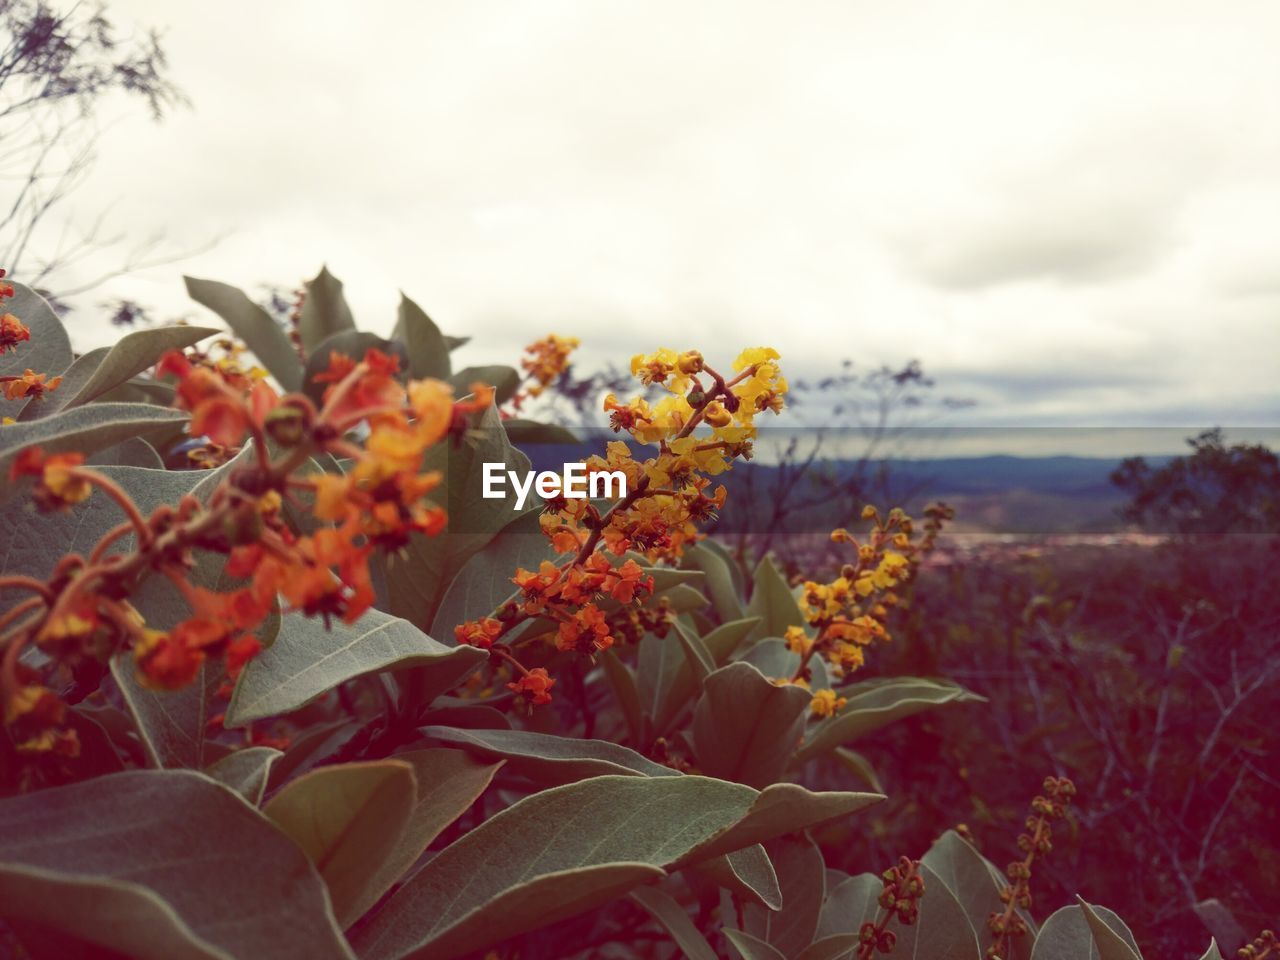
277 682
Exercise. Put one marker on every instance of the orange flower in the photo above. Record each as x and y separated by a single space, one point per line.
12 330
478 633
587 631
534 686
239 652
30 384
164 662
58 486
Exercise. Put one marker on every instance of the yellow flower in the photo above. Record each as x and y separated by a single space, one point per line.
825 703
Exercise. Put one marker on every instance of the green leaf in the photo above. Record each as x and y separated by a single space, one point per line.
162 866
941 932
347 819
830 948
254 326
307 661
748 873
666 680
719 578
1114 939
564 850
324 311
84 430
975 883
417 581
428 350
752 948
128 453
803 881
696 654
860 767
1066 935
873 704
350 343
73 379
622 681
48 351
504 380
484 583
448 782
549 759
773 602
172 724
523 431
134 353
672 918
746 728
246 771
778 809
849 904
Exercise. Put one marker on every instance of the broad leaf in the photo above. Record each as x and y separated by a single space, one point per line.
504 380
128 453
307 660
428 350
347 819
545 758
752 948
484 583
748 873
802 879
622 681
1114 939
672 917
941 932
246 771
876 703
254 326
83 430
48 351
448 782
666 680
162 866
746 728
564 850
324 311
134 353
720 584
1066 935
417 581
773 602
73 379
975 883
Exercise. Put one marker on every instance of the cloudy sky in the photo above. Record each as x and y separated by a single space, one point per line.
1070 211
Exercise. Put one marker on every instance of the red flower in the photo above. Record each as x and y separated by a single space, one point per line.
478 633
535 686
12 330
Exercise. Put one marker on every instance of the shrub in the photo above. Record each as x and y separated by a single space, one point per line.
317 698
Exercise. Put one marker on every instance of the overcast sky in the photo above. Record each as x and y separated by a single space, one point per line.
1070 211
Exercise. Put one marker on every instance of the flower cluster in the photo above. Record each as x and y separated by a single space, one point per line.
1036 842
1266 945
546 360
82 615
849 613
13 332
666 499
900 899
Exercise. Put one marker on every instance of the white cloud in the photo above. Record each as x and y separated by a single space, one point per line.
1020 194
